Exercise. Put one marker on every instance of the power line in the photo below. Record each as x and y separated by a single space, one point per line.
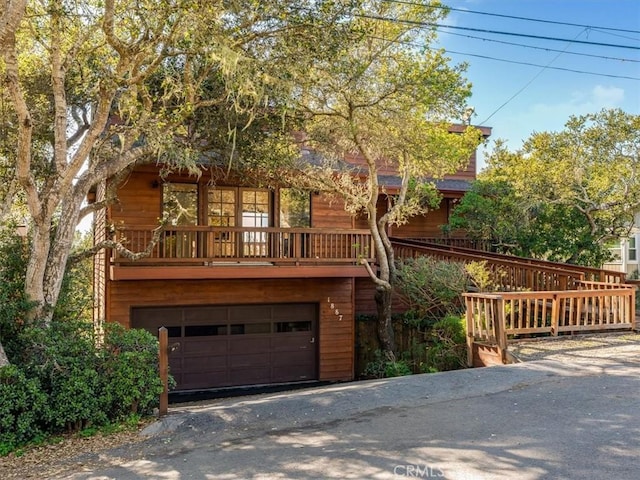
497 32
487 57
529 19
533 79
544 48
545 66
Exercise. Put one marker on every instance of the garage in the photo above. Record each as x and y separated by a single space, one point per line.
233 345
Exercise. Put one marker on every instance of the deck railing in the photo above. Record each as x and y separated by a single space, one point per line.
507 274
198 245
493 317
463 252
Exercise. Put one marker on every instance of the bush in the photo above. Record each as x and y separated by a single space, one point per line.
380 367
63 358
448 347
21 403
130 378
431 288
66 380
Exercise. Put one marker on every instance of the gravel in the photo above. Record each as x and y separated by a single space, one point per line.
577 347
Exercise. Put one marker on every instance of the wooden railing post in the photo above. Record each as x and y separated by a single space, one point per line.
163 358
470 330
555 314
499 330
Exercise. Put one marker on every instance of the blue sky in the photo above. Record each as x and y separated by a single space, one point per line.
552 95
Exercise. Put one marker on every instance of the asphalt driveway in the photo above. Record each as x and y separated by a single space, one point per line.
546 419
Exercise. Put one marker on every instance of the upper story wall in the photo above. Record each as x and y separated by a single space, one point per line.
140 201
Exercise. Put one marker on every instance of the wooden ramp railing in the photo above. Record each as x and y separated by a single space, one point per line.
454 251
493 318
508 274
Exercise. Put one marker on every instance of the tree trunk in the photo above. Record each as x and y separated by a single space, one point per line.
4 360
36 267
385 325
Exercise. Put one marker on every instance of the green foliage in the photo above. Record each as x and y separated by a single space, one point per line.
63 359
431 288
13 302
22 402
65 379
564 195
448 347
129 368
76 293
381 367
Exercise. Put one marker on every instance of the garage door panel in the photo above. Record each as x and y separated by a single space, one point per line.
234 345
205 363
303 311
245 344
250 313
154 318
291 358
289 343
196 380
249 360
204 315
291 373
248 376
200 345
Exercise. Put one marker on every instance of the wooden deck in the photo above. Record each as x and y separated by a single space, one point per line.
242 252
493 318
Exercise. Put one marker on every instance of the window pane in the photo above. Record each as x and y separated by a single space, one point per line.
204 330
180 203
255 208
295 208
222 208
286 327
250 328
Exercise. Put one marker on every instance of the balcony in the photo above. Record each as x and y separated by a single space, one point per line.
242 252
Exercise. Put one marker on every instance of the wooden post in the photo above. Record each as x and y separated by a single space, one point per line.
500 331
555 316
470 331
163 356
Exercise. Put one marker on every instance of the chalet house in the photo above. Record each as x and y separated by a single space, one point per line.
257 286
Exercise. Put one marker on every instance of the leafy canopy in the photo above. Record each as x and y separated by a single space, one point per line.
564 195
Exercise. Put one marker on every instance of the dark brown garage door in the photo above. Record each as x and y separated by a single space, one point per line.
232 345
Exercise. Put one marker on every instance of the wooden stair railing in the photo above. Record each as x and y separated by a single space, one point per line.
588 273
537 297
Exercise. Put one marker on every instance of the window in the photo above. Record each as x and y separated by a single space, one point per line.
180 203
632 251
222 207
295 208
255 208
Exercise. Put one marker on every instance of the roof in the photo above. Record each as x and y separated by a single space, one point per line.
443 185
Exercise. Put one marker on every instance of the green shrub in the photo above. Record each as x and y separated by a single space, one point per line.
21 402
448 347
62 357
431 288
130 379
380 367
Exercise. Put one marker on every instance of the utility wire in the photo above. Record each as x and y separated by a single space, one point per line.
543 48
590 27
497 32
526 85
516 62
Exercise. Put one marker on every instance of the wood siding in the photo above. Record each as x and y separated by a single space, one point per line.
329 213
424 225
364 303
334 297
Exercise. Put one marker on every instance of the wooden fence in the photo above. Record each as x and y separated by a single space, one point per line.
494 317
